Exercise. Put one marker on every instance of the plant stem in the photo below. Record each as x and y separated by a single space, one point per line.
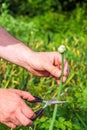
58 96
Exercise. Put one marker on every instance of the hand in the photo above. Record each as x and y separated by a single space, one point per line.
13 111
39 63
48 64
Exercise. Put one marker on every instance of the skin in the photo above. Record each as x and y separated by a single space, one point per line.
13 110
46 64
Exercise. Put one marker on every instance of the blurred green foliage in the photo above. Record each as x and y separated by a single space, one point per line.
39 7
43 26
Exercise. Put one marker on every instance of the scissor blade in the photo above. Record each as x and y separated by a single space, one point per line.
38 113
55 102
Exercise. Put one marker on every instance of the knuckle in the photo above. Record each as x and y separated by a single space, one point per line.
18 104
7 116
12 112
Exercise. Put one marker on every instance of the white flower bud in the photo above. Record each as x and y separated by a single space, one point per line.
61 49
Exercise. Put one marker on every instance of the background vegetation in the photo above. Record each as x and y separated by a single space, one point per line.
43 26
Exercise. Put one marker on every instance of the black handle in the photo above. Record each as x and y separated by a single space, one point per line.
38 113
37 99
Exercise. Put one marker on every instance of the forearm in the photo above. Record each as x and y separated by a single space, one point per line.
14 50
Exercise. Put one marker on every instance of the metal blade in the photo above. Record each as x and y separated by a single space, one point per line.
54 102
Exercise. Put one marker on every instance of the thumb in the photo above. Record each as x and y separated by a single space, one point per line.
24 94
53 70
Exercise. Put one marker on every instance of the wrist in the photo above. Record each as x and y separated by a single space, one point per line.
23 55
29 59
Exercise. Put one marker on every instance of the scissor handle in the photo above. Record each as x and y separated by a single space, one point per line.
38 113
37 99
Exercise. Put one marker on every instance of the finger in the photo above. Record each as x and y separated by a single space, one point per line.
27 111
53 70
10 124
23 119
40 73
58 81
16 122
58 59
66 68
24 94
64 79
43 73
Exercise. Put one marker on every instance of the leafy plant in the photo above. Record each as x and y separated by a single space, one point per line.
46 33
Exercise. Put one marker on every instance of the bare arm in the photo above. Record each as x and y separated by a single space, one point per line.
13 50
38 63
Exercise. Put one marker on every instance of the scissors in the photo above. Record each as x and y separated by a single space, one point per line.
46 102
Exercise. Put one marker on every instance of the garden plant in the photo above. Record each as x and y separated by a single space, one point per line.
45 29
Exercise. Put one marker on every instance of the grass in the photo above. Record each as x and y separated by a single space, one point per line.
72 33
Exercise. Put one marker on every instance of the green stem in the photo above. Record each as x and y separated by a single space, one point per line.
58 96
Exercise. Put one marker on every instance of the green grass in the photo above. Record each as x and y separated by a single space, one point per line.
42 34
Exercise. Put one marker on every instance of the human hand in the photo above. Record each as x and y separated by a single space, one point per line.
39 63
48 64
13 111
